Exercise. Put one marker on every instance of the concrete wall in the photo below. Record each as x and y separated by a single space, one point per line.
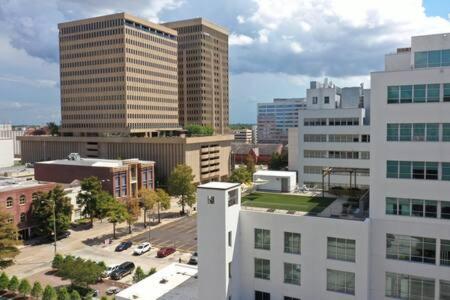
6 153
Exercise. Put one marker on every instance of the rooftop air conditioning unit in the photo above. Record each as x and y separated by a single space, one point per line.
74 156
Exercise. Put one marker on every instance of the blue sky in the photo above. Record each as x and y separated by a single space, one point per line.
276 46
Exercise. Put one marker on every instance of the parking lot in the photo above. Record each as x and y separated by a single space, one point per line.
180 234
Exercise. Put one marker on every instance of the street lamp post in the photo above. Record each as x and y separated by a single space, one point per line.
54 222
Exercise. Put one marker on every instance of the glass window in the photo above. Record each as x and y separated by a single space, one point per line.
434 58
392 169
262 268
446 132
405 132
292 242
418 170
417 207
445 171
419 93
22 200
262 239
420 59
445 252
340 281
444 288
392 132
23 217
404 207
433 92
290 298
9 202
411 248
430 209
445 210
341 249
432 132
326 99
391 206
405 286
406 94
262 295
446 92
292 273
445 57
419 132
405 169
393 94
431 169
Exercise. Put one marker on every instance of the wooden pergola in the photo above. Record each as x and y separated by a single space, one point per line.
352 172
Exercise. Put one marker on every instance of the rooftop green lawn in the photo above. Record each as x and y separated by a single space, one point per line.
310 204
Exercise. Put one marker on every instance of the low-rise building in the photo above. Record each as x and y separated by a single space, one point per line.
8 132
243 136
277 181
122 178
6 152
261 153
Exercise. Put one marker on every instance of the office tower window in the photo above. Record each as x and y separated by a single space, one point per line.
413 132
405 286
418 208
262 239
433 92
430 59
292 242
262 295
445 252
365 138
262 268
341 249
446 132
230 237
315 138
292 273
406 93
340 281
418 132
411 248
326 100
445 210
421 59
392 169
392 132
393 94
446 92
290 298
419 93
432 132
405 132
444 288
413 170
315 100
445 171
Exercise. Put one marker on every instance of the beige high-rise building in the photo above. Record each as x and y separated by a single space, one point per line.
203 73
118 77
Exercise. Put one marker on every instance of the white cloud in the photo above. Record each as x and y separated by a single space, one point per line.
263 36
240 40
240 19
296 47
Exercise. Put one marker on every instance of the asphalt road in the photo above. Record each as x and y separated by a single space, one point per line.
181 234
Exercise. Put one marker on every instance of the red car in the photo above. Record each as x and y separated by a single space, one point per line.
166 251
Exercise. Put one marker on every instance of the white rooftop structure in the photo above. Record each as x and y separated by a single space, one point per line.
278 181
218 185
91 162
174 282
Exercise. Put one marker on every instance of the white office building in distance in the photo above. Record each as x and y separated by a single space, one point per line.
244 135
333 133
274 119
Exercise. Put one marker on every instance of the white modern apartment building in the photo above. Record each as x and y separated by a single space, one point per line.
6 152
243 136
274 119
333 133
8 132
410 172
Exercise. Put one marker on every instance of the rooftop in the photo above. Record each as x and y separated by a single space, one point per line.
274 173
175 282
8 184
215 185
93 162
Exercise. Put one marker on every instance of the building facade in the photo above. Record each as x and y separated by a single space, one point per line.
202 73
8 132
118 77
6 152
243 136
274 119
410 160
333 132
121 178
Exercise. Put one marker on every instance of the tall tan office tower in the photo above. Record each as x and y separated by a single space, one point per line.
118 77
203 73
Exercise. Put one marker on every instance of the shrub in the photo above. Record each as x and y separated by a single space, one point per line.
13 284
4 281
24 287
36 291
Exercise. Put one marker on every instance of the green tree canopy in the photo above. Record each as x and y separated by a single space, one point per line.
117 214
57 261
199 130
241 175
63 294
75 295
13 284
49 293
80 272
181 185
37 291
104 201
162 202
278 161
133 212
24 287
88 198
4 281
147 198
42 212
8 239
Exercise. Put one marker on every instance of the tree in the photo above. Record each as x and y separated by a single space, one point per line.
57 261
4 281
80 272
138 275
24 287
117 214
36 291
162 201
42 212
53 128
180 185
87 199
278 161
241 175
151 272
75 295
13 284
199 130
148 199
250 163
8 239
104 201
133 212
63 294
49 293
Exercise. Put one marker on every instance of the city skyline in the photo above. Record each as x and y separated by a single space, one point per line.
29 79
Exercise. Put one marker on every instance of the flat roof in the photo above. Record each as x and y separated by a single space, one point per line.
216 185
175 282
274 173
8 184
93 162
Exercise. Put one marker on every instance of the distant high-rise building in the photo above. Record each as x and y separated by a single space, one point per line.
118 77
203 73
275 118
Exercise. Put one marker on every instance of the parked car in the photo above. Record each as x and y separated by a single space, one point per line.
142 248
109 270
123 246
194 259
113 290
166 251
123 270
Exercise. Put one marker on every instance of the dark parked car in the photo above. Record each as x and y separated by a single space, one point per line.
166 251
123 246
124 269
